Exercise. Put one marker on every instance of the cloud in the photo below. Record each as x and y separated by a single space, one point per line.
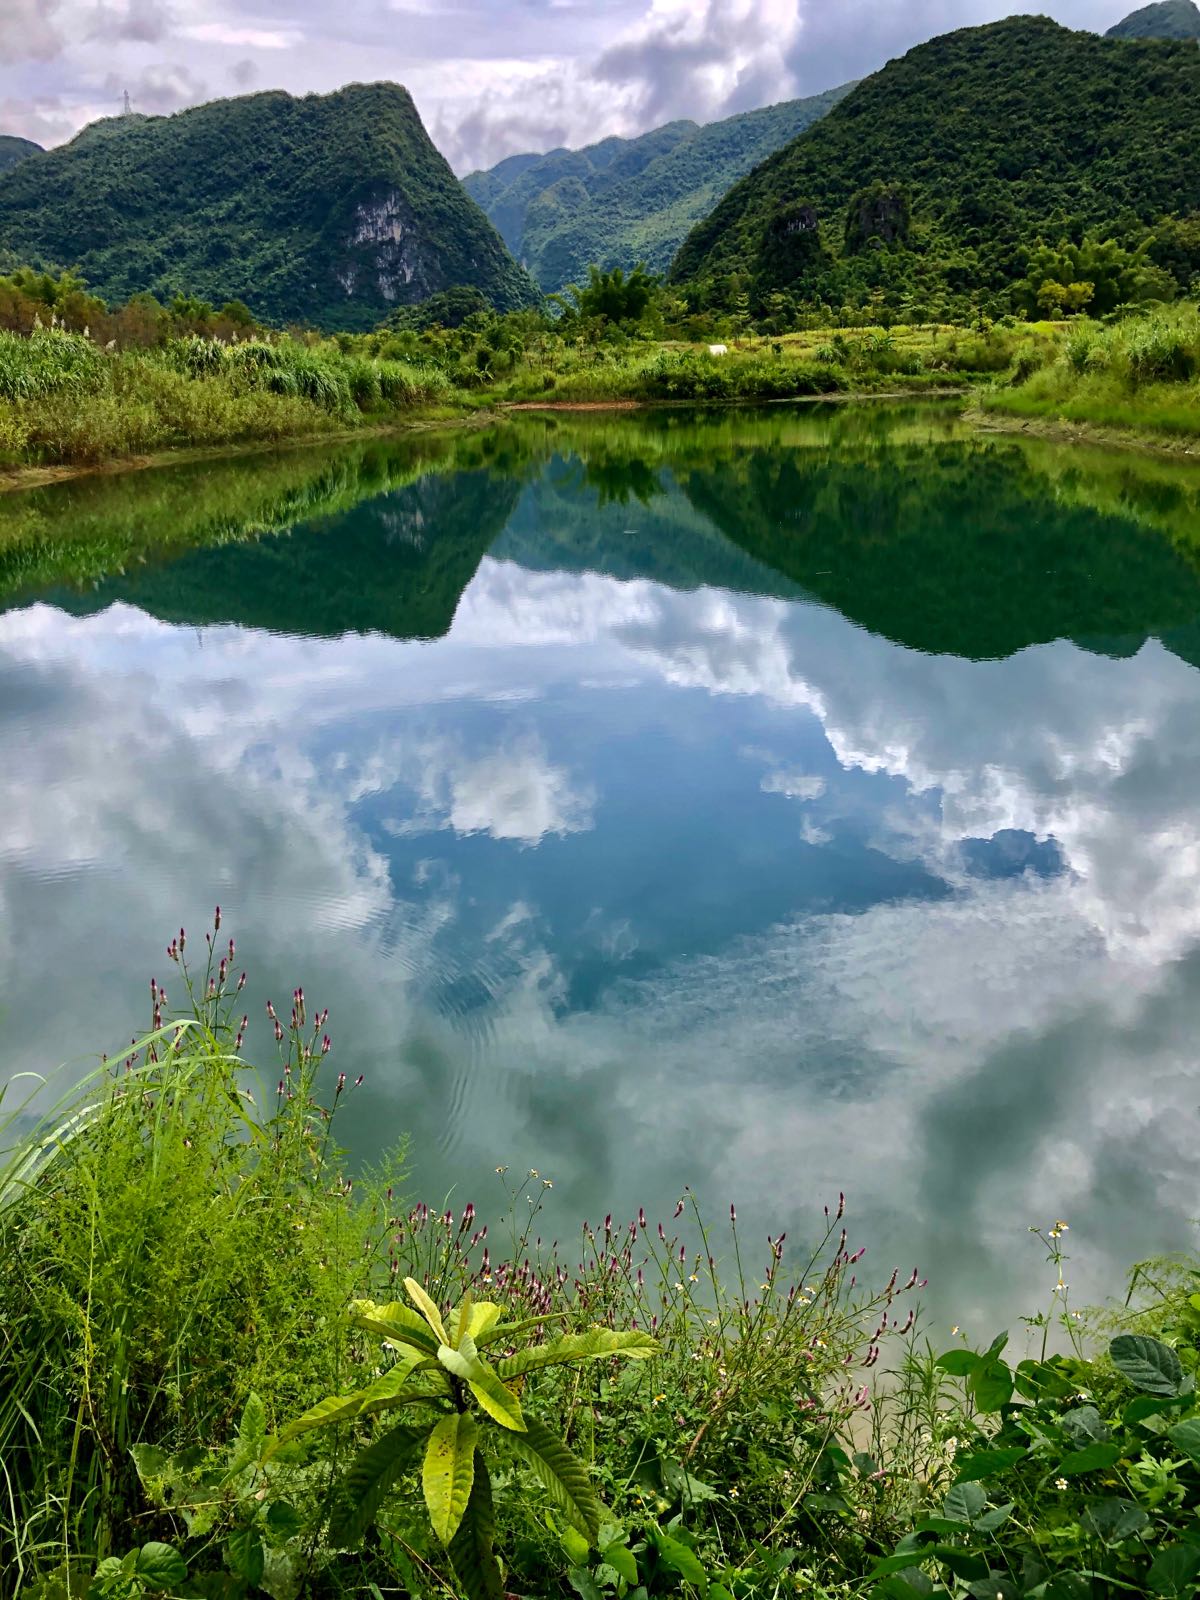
28 30
244 38
137 21
515 793
159 89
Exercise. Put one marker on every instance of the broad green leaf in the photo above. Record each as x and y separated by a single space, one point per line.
965 1502
483 1317
1115 1520
991 1387
961 1562
584 1585
1147 1363
427 1309
992 1521
471 1551
369 1479
959 1363
901 1562
1144 1411
160 1566
910 1583
680 1558
986 1463
396 1323
1174 1571
1084 1425
390 1390
594 1345
448 1472
1092 1458
623 1561
577 1547
245 1552
564 1478
386 1392
334 1408
1185 1436
1038 1379
995 1586
252 1430
500 1403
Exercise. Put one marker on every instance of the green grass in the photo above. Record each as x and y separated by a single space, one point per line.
180 1241
1141 375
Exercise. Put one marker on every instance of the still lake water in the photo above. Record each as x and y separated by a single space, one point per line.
776 803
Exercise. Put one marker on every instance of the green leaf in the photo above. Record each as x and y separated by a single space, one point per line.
910 1583
448 1472
959 1363
283 1521
427 1309
622 1560
1174 1571
1147 1363
679 1558
384 1393
584 1585
578 1548
965 1502
252 1430
991 1387
986 1463
471 1553
160 1566
992 1521
245 1553
1083 1426
961 1562
481 1319
564 1477
1115 1520
368 1481
397 1324
1142 1411
594 1345
500 1403
1185 1436
1092 1458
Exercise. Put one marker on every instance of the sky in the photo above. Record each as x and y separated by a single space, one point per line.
490 77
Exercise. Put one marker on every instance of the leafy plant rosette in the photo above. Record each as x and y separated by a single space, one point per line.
455 1408
1074 1480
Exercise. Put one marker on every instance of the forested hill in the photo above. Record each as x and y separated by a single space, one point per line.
625 200
328 208
1169 19
936 177
13 150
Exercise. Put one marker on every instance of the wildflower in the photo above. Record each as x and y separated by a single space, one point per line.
733 1493
533 1172
547 1183
500 1171
1060 1483
954 1331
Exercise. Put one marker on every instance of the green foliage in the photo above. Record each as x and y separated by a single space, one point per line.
294 206
1003 137
13 150
613 296
626 200
433 1373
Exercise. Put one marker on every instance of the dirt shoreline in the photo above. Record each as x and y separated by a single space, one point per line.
1060 430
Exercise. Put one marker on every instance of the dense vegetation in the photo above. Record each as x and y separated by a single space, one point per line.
326 209
1166 19
13 150
232 1370
627 200
929 189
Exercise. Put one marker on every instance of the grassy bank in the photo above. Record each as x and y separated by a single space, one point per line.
1134 378
229 1370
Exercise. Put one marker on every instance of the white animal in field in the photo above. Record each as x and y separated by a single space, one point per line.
718 349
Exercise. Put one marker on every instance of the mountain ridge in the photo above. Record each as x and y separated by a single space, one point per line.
622 200
1168 19
331 209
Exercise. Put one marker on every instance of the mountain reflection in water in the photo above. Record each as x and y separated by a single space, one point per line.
775 803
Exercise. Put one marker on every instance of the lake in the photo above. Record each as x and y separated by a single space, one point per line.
777 802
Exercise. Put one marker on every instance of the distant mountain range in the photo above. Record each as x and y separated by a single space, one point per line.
1169 19
935 177
331 209
13 150
627 200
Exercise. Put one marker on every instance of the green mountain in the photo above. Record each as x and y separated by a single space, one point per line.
935 177
1169 19
13 150
331 209
625 200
